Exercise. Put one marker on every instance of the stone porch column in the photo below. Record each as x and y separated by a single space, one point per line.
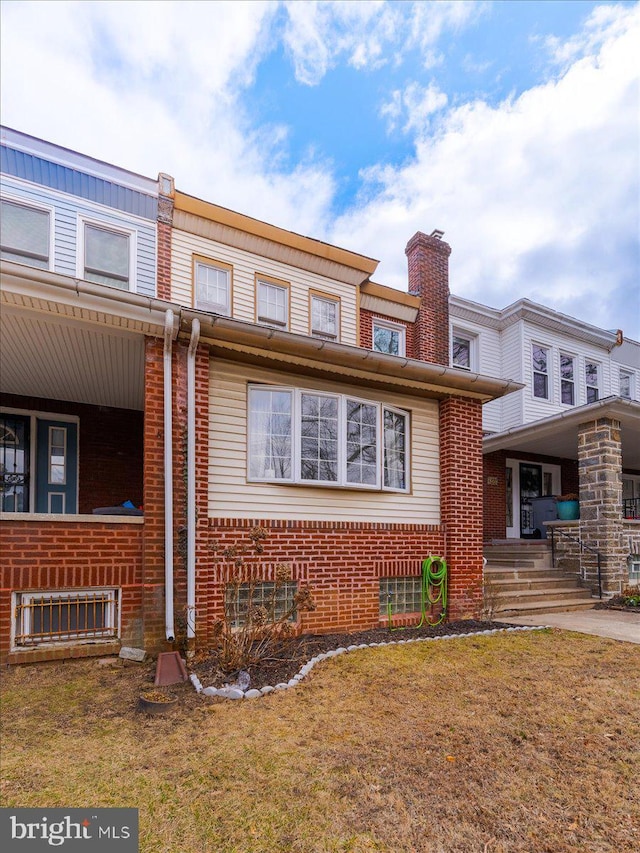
601 523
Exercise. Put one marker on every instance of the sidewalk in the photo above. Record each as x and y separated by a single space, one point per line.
615 624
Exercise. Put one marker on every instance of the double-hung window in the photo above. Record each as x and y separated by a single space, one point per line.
212 287
273 303
325 317
462 350
592 380
626 384
107 256
567 379
389 337
540 365
25 234
311 437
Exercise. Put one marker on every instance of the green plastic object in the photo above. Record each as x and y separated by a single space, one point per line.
433 590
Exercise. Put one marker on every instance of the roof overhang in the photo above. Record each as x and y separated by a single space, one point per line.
302 354
252 235
380 299
557 436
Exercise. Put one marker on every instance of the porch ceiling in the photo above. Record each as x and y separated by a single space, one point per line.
558 435
50 357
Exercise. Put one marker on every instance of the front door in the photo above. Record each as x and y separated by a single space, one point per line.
57 467
530 487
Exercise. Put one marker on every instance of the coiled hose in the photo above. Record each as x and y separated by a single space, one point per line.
433 590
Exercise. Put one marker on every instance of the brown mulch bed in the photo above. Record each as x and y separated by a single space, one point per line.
292 653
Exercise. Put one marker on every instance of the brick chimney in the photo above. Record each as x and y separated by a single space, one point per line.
428 259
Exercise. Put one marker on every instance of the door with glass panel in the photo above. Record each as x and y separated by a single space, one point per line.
14 463
57 467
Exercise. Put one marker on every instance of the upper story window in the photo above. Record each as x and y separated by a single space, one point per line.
212 287
310 437
540 364
389 337
106 256
592 380
627 389
463 350
273 303
567 379
25 234
325 317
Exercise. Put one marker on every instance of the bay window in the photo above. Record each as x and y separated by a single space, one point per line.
313 437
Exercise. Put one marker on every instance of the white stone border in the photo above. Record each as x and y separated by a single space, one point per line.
231 692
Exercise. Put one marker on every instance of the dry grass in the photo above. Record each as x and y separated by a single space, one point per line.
496 744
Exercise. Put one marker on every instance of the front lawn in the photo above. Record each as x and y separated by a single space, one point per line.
498 744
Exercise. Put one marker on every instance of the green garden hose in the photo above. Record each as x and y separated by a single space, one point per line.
433 590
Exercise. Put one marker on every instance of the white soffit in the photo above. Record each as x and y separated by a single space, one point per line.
388 308
53 358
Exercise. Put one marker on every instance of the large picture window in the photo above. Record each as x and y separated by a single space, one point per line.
300 436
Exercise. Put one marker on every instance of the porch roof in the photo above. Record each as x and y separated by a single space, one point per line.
558 435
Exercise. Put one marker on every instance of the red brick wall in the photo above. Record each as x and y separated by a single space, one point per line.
52 555
110 446
428 261
164 261
342 561
461 501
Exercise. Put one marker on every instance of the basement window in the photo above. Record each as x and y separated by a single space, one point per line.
403 593
65 616
261 603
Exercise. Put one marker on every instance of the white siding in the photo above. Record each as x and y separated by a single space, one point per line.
486 360
67 209
245 266
231 496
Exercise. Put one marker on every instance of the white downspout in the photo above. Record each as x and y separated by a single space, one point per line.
168 481
191 478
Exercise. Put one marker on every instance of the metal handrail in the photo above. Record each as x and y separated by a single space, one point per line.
583 547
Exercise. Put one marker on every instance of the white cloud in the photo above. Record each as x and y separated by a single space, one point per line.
430 20
537 196
416 103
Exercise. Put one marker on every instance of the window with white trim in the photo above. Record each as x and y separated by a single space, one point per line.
312 437
626 387
463 350
65 616
212 288
273 304
106 256
389 337
592 380
567 379
325 317
25 234
540 365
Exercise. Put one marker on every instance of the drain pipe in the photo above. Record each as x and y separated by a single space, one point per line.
191 479
168 481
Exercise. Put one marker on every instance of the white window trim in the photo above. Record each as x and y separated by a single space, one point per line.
573 381
44 208
625 371
107 225
598 386
296 442
392 327
549 372
270 321
318 333
458 332
112 624
211 307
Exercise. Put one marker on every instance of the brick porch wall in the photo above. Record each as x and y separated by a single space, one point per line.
53 555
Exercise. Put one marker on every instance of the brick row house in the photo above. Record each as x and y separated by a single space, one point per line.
175 374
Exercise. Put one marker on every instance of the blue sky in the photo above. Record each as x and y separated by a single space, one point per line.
511 126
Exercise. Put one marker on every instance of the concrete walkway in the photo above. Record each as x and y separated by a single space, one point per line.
615 624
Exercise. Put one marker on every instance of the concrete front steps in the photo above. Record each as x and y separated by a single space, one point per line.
520 580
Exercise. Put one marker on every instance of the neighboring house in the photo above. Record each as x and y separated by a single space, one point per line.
573 428
215 372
